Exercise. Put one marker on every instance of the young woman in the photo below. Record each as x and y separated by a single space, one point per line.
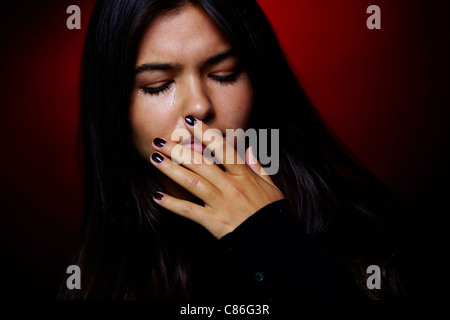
157 226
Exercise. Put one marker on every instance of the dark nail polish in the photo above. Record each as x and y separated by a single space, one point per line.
157 157
159 142
158 195
190 120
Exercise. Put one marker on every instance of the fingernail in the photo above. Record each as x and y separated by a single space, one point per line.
157 157
159 142
158 196
190 120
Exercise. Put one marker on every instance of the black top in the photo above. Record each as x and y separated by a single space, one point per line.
268 257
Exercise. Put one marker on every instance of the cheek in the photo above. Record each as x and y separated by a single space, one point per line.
236 103
149 117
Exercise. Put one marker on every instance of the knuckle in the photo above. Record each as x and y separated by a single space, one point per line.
192 181
187 208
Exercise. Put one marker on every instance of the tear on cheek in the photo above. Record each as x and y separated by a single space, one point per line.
172 97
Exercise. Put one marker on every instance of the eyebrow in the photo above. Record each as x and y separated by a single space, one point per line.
167 66
219 57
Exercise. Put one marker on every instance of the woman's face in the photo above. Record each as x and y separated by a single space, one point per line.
184 67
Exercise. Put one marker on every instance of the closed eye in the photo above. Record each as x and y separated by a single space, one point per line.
156 91
228 79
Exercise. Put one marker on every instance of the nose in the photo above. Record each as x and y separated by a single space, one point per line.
195 100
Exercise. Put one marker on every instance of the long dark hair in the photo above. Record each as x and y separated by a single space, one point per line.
129 248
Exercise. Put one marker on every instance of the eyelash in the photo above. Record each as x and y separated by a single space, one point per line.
158 90
224 80
232 78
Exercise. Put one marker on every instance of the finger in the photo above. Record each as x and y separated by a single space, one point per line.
183 208
256 166
191 160
213 140
189 180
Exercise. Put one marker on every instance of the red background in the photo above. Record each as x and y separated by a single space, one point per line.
385 93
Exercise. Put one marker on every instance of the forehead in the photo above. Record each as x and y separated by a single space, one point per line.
180 37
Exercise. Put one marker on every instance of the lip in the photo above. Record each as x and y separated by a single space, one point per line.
194 145
197 147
